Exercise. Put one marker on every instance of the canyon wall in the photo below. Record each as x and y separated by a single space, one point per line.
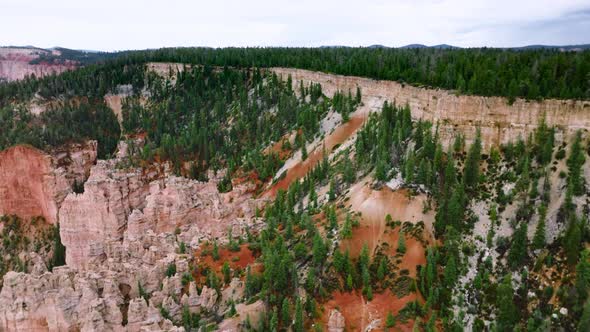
15 63
499 121
34 183
98 215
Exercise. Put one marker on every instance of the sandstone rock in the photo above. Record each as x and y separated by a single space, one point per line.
174 202
34 183
99 215
58 301
336 321
247 312
235 291
208 298
499 121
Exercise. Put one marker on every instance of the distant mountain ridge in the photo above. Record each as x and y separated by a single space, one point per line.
580 47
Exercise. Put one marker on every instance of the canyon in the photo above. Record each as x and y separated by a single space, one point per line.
123 226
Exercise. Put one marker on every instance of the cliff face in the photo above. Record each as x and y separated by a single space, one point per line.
98 215
125 204
499 121
14 64
34 183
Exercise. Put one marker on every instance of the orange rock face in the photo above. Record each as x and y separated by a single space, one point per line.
34 183
28 186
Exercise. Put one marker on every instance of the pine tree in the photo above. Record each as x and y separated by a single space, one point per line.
431 324
332 191
390 320
522 185
319 250
572 240
286 312
401 242
544 140
366 278
410 166
349 283
215 252
298 325
369 293
347 227
584 324
438 159
274 321
450 179
456 208
381 269
575 162
349 173
459 143
303 151
331 216
493 221
507 311
226 273
450 274
364 257
583 276
423 176
471 170
518 250
380 172
539 238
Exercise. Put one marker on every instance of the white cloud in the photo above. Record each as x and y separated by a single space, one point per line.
136 24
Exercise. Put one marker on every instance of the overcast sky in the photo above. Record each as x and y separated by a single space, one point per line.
138 24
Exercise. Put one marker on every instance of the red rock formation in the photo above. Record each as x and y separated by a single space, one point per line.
34 183
99 215
15 64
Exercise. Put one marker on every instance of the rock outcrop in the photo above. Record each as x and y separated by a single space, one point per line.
34 183
121 203
104 299
251 313
99 290
336 321
15 63
499 121
174 202
91 219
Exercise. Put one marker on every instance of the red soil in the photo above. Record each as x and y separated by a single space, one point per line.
238 259
340 134
277 147
374 206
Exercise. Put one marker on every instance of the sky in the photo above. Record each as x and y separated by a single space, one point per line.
109 25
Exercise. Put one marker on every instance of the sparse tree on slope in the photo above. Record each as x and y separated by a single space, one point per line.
471 170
